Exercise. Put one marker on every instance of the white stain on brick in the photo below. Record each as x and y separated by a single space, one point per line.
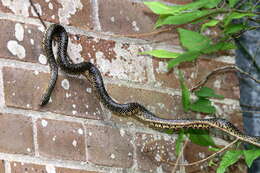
162 67
112 156
74 52
19 32
122 132
50 6
74 112
28 149
39 9
42 59
112 19
68 8
128 65
74 143
54 138
44 123
89 90
80 131
65 84
217 84
50 169
135 27
16 49
32 41
18 7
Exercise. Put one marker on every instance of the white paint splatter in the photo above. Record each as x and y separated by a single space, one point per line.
50 6
74 106
53 16
19 32
74 112
28 149
74 52
16 49
90 133
112 19
80 131
68 8
129 65
42 59
44 123
217 84
135 27
54 138
18 7
41 28
122 132
65 84
39 9
112 156
89 90
74 143
50 169
32 41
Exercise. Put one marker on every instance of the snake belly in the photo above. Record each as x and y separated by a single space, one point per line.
135 110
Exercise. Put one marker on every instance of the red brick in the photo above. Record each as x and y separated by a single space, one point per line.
72 99
126 17
16 135
163 105
61 140
2 167
197 71
68 13
109 146
67 170
27 38
18 167
153 152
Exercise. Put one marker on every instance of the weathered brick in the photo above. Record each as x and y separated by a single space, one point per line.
23 42
61 140
153 152
127 17
109 146
20 41
77 13
71 96
2 167
163 105
67 170
18 167
16 135
197 71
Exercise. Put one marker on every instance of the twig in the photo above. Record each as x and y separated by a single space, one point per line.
203 160
221 69
179 156
38 14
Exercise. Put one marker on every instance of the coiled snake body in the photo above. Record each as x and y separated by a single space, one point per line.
135 110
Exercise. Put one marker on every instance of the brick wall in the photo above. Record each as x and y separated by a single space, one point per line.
75 133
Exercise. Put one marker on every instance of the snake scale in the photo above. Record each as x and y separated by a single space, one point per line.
135 110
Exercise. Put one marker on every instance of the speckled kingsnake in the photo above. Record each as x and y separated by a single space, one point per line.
134 110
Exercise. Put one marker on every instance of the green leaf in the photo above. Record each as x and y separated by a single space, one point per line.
250 156
203 105
179 141
185 93
201 137
161 53
232 3
212 3
207 92
160 8
229 158
234 28
236 15
193 41
187 56
218 47
181 18
209 24
213 149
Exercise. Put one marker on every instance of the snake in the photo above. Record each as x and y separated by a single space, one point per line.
56 32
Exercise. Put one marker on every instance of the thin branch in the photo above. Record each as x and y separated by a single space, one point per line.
222 69
203 160
179 156
38 14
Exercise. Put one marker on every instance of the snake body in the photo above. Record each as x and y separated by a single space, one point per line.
135 110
